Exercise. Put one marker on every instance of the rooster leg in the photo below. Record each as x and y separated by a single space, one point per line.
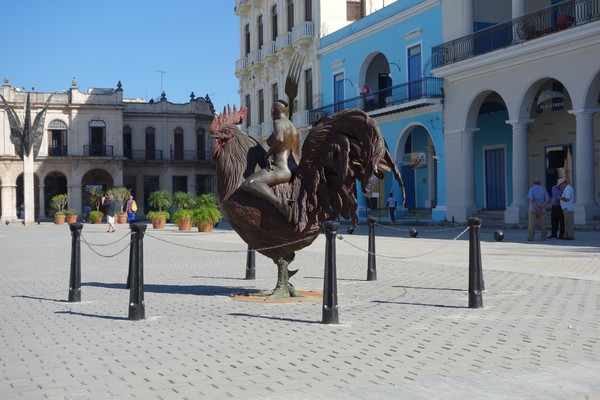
284 288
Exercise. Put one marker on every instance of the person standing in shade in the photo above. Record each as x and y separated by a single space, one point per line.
557 219
567 203
391 204
538 198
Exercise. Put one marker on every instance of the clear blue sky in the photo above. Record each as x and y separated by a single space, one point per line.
48 42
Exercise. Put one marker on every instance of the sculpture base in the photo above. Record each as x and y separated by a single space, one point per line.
261 296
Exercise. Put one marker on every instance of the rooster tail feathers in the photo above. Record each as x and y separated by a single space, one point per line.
340 149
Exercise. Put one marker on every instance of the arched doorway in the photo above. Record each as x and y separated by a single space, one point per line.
21 194
419 169
96 178
54 183
491 150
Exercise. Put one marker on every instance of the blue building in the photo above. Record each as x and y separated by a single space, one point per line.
381 64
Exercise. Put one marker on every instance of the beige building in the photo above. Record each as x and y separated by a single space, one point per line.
99 139
271 31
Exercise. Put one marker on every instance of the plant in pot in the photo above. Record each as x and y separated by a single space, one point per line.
120 194
159 199
186 203
58 204
96 216
71 214
207 214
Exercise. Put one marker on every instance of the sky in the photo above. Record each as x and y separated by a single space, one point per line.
195 44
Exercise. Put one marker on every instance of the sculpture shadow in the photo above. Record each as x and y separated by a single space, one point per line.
196 290
417 304
304 321
22 296
429 288
92 315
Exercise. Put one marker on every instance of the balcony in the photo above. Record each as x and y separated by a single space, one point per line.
140 155
284 41
95 150
546 21
58 151
303 33
413 94
190 155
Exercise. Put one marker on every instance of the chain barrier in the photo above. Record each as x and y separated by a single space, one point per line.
427 231
91 247
232 251
340 237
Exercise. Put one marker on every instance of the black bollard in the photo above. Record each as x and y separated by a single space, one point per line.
499 235
131 258
250 264
371 264
413 233
330 304
475 270
75 275
136 293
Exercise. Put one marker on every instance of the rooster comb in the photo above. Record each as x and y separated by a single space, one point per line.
228 116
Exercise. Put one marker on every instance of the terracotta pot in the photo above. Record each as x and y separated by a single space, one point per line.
185 224
71 218
121 218
96 220
59 219
158 223
205 227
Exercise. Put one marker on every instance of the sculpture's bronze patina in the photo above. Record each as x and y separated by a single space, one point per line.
337 151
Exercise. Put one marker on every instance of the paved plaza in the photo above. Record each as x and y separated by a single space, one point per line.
407 335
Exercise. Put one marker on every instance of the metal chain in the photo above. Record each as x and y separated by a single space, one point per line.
340 237
427 231
89 245
105 244
232 251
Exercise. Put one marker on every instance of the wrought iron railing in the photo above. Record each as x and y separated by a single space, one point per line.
184 155
58 151
95 150
540 23
426 88
146 155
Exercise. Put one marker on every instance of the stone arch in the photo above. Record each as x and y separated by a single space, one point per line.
55 182
94 178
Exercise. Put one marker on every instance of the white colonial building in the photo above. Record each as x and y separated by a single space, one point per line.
522 101
271 31
99 139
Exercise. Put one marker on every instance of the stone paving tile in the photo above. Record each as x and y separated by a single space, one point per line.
407 335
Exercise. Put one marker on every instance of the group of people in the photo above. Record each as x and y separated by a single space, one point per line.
111 207
562 212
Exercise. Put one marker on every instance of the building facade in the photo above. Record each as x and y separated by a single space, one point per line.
100 139
271 31
522 101
381 64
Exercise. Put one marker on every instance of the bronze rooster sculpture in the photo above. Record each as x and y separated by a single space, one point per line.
339 149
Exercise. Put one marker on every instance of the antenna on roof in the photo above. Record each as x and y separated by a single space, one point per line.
162 73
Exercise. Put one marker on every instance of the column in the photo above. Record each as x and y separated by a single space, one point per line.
75 198
518 8
41 201
467 17
520 172
9 212
460 176
431 184
585 200
28 189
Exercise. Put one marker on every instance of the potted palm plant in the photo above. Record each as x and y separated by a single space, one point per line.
96 196
120 194
159 199
207 213
71 214
58 204
186 203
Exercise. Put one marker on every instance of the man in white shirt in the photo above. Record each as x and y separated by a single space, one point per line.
567 203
